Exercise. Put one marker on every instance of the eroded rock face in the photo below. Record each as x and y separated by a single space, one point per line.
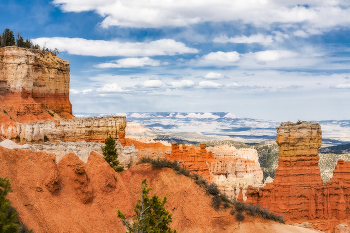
127 155
77 129
32 82
231 169
297 192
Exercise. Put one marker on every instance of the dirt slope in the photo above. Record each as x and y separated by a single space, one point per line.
72 196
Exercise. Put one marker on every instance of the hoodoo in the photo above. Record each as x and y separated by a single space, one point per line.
297 192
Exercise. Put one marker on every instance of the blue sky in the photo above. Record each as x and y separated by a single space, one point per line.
266 59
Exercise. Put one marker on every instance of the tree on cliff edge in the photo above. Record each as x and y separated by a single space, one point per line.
110 154
7 38
151 215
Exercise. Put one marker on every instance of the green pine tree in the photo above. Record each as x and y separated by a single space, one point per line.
110 154
8 215
8 39
151 215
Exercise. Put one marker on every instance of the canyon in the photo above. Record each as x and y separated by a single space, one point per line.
73 196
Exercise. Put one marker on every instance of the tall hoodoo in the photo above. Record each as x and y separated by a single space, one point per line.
298 156
297 192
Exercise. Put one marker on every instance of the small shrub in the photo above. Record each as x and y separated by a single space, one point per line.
216 202
51 114
5 111
213 189
232 212
240 217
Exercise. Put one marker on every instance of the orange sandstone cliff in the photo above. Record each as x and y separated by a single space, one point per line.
297 192
33 85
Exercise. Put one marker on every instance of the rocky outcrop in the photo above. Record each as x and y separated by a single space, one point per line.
231 169
33 82
77 129
297 192
72 196
127 155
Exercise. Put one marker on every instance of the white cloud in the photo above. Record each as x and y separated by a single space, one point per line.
343 86
219 59
233 85
152 83
301 33
229 115
130 63
182 84
86 91
73 91
212 75
101 48
257 38
160 13
273 55
209 84
110 88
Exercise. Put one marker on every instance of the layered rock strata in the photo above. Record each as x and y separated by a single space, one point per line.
231 169
297 192
77 129
127 155
32 82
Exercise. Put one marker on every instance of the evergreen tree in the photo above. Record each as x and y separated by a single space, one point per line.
8 215
110 154
151 215
20 42
8 39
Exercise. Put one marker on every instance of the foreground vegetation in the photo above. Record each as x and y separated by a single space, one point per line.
151 215
9 221
219 199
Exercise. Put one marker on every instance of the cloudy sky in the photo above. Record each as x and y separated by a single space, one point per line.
266 59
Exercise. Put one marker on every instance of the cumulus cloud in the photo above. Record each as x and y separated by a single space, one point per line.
343 86
160 13
182 84
301 33
257 38
101 48
233 85
152 84
110 88
212 75
209 84
73 91
219 58
86 91
273 55
230 115
130 63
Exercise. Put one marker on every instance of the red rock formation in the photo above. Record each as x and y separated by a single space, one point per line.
78 197
33 82
192 158
297 192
